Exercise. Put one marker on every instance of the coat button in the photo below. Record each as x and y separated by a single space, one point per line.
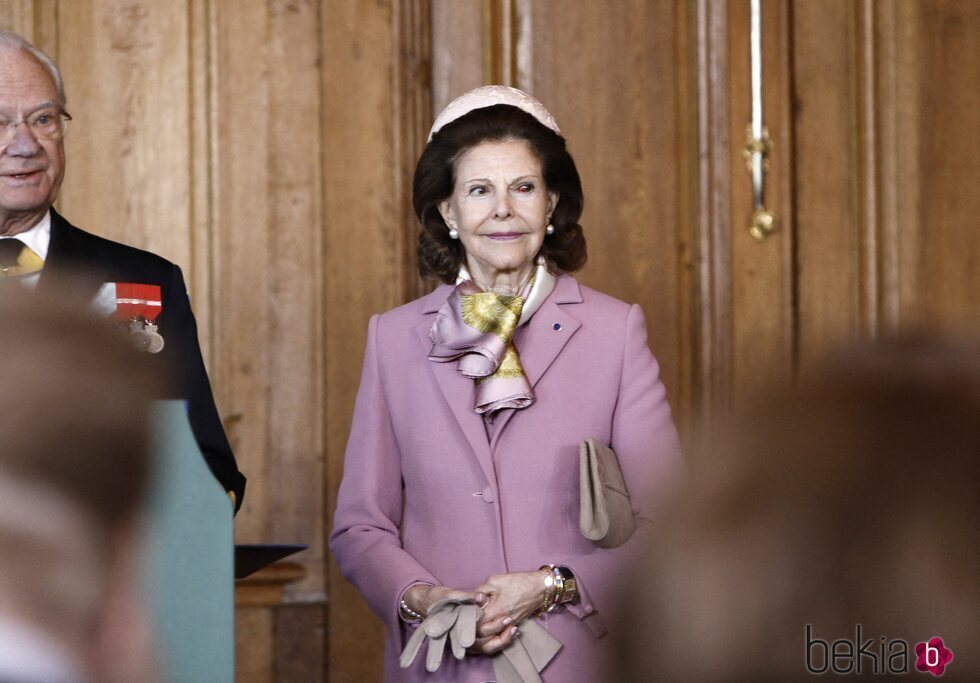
487 495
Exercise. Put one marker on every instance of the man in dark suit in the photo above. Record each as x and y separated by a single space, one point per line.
38 247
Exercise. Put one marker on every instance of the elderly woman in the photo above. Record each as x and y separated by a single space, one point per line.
462 473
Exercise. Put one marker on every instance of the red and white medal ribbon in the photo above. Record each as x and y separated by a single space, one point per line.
135 304
137 301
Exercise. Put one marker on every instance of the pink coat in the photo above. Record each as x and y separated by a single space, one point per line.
426 497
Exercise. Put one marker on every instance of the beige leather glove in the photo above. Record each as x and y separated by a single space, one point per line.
527 655
453 620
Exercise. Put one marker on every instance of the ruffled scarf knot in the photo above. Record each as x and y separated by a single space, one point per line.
477 329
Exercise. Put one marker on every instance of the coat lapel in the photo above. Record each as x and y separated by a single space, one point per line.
543 339
458 391
549 330
67 264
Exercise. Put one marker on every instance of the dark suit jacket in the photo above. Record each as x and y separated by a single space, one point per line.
86 261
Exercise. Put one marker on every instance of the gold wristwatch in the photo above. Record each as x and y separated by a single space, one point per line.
569 594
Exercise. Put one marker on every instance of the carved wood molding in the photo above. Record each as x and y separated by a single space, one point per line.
713 348
508 43
877 55
412 112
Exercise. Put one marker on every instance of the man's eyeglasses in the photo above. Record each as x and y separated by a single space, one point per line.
46 124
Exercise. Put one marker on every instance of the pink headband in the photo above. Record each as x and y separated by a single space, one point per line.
489 95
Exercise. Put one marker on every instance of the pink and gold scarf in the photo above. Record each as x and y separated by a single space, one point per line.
478 327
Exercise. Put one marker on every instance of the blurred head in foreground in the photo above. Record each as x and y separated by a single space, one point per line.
850 499
74 467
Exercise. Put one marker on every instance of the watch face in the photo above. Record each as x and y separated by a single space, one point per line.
570 585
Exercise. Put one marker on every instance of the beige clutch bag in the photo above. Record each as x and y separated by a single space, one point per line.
605 515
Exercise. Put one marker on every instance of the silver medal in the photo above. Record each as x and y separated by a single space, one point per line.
145 335
155 339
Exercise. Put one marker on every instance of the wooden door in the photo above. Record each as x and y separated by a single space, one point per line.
871 108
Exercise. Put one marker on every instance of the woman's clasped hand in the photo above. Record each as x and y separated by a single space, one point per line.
505 601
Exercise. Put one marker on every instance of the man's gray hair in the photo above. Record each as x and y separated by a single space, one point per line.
14 41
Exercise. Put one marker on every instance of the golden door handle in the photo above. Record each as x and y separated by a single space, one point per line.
763 223
758 145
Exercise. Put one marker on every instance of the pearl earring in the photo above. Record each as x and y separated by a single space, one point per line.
453 233
550 229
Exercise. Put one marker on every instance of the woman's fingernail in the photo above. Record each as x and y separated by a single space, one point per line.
507 621
514 632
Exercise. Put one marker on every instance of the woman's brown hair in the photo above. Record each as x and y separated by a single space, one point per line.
439 256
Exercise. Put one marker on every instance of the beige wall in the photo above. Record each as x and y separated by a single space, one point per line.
267 147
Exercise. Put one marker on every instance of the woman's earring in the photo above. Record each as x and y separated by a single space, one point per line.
453 233
550 229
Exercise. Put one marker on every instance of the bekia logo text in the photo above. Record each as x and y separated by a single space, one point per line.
876 656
